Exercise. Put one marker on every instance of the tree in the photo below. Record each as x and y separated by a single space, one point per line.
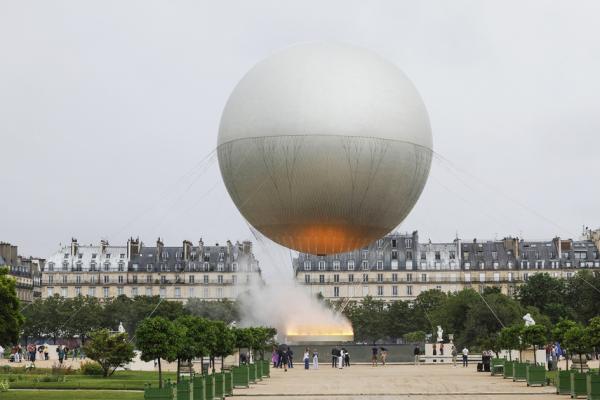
221 310
243 339
196 338
87 312
534 335
558 333
157 338
398 319
225 343
545 293
109 350
11 318
415 337
510 339
577 341
594 332
368 319
582 295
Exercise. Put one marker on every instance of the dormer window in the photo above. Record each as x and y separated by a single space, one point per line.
107 255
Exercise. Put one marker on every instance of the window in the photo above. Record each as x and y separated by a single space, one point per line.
423 255
423 277
394 254
77 278
234 279
64 278
379 265
379 277
409 256
122 256
394 243
148 278
321 278
365 277
408 277
380 290
526 276
409 291
120 279
365 254
234 267
191 292
77 291
482 277
307 265
394 277
121 266
306 278
350 265
191 279
134 291
220 267
177 292
496 277
93 279
106 266
336 265
365 265
63 291
92 291
163 280
108 255
148 291
452 255
120 291
50 291
380 243
438 256
336 291
220 292
105 292
205 279
66 255
148 267
336 278
321 265
163 292
467 277
51 266
220 279
408 243
106 278
394 290
350 277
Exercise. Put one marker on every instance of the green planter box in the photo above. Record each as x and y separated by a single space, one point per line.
266 368
241 376
219 385
209 387
228 377
259 367
519 372
252 372
184 390
535 374
497 366
199 392
563 382
167 392
593 386
508 369
578 384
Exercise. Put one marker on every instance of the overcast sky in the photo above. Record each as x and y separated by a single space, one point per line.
108 107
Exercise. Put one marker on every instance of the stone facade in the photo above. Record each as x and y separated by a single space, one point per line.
399 267
171 272
26 271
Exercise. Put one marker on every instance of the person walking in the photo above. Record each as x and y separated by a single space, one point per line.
316 360
31 350
306 358
454 354
383 353
290 355
417 353
285 359
274 358
465 356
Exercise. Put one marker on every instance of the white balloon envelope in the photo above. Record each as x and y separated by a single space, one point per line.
324 148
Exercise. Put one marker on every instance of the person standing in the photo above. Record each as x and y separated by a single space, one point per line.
454 354
61 353
316 360
383 352
417 353
346 358
1 352
274 358
435 349
285 359
31 351
306 358
341 358
290 354
465 356
441 349
46 349
374 356
333 357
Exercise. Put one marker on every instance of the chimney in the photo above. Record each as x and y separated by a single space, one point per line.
133 248
187 249
103 245
557 247
247 247
74 247
229 247
159 248
9 253
200 248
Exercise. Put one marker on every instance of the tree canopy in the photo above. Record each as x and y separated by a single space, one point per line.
11 318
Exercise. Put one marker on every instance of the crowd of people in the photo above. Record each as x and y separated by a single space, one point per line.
33 352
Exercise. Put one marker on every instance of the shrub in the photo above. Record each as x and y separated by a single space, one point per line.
59 369
6 369
50 378
91 368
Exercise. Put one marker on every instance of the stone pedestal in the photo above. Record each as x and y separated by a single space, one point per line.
577 365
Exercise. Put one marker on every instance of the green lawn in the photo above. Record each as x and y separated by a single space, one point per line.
70 395
124 380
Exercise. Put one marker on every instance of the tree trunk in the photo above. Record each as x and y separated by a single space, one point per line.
160 382
580 363
239 356
178 368
567 360
534 355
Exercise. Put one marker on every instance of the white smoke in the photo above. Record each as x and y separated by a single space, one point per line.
281 303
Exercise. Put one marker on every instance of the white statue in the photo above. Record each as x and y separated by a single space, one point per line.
440 334
528 320
121 328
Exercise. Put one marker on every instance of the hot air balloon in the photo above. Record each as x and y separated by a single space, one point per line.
324 147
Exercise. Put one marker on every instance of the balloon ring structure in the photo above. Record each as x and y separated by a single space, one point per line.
324 147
